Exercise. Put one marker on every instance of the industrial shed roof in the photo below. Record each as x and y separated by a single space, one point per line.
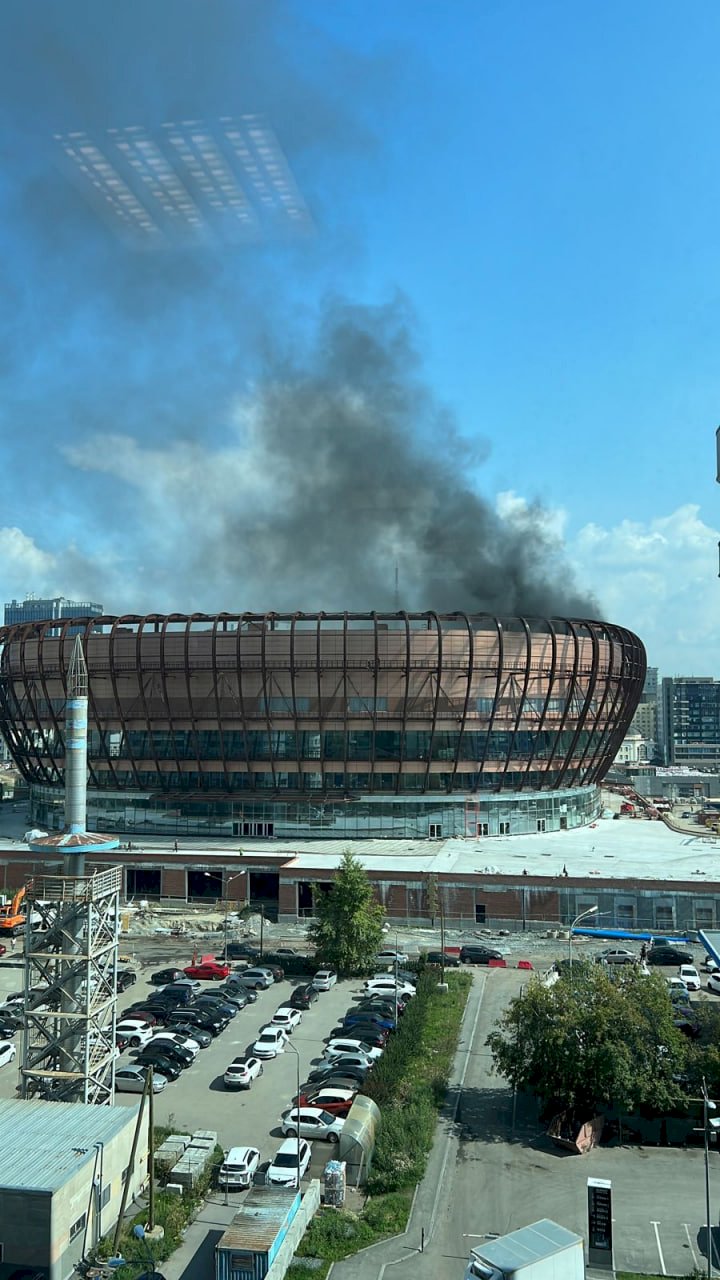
265 1211
45 1143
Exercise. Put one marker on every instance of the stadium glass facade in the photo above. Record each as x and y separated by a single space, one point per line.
281 725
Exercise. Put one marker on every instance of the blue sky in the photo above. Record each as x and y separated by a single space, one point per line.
518 203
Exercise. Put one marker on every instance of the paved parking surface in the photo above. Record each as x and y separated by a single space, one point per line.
198 1098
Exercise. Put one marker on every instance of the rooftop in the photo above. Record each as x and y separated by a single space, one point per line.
65 1133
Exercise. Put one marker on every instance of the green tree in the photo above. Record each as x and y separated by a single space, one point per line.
595 1038
347 930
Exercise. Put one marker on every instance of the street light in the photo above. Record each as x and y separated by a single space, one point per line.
290 1045
590 912
708 1126
226 900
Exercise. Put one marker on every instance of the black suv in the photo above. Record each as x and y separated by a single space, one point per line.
302 997
439 957
472 954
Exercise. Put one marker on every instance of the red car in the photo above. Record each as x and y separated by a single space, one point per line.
3 949
337 1101
207 971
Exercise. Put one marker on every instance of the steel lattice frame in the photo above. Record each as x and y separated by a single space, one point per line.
70 987
520 703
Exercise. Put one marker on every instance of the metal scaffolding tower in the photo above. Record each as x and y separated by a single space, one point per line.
70 984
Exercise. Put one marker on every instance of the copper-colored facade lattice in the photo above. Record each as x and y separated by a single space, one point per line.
242 704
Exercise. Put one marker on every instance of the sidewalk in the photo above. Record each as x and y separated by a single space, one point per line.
370 1264
195 1259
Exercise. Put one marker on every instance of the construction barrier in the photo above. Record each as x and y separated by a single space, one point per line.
524 964
497 964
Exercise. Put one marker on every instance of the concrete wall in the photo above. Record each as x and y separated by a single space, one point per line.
299 1225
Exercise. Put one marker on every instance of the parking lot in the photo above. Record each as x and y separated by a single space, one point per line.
198 1098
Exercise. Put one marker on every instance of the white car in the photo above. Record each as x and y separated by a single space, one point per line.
392 957
713 983
312 1122
238 1167
135 1031
286 1018
192 983
7 1052
710 965
336 1048
132 1080
690 976
283 1171
388 987
270 1042
241 1072
324 979
173 1037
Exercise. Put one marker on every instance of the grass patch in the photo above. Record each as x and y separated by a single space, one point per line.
334 1234
410 1080
172 1213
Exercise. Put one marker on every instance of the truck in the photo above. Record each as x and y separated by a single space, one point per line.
542 1251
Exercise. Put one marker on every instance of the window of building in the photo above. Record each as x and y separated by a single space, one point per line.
504 828
626 916
262 829
105 1197
435 830
483 828
704 917
367 705
480 913
664 918
77 1227
541 824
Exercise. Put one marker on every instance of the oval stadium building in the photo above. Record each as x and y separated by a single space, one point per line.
325 725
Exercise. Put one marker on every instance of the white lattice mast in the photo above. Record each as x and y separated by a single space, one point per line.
71 959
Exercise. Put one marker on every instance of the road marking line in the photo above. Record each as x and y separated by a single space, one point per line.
659 1247
690 1244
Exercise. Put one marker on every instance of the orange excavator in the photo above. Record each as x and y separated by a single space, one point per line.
12 919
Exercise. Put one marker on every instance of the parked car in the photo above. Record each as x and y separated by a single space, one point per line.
472 954
159 1062
137 1032
207 971
668 956
286 1018
170 1049
277 973
257 977
382 1005
334 1080
238 1168
7 1053
443 957
616 955
287 951
341 1068
163 976
241 1072
270 1042
131 1079
337 1102
155 1014
206 1018
387 987
358 1016
690 976
211 1001
242 951
125 979
677 985
710 965
389 956
310 1122
302 997
166 1038
324 979
236 996
294 1154
176 992
338 1047
196 1033
368 1032
193 983
713 983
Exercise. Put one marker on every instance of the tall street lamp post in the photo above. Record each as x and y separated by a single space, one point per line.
296 1051
591 911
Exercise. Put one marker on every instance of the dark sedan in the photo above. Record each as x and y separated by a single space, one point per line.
125 979
443 957
330 1070
207 1019
196 1033
669 956
472 954
214 1003
175 1052
159 1062
163 976
302 997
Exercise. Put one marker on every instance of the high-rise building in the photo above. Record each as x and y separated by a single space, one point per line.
37 609
690 716
650 688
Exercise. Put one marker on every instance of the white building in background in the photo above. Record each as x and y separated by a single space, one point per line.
634 749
